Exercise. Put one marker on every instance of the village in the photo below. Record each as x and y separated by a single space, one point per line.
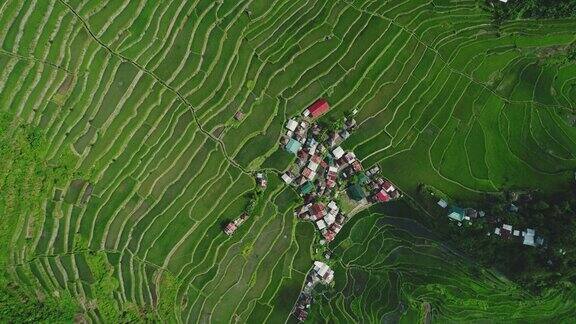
332 182
334 185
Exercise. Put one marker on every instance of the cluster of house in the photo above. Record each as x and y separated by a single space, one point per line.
328 218
324 161
318 160
321 164
320 273
528 237
505 231
232 226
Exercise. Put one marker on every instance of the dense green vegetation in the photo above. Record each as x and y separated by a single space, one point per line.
120 156
25 179
391 268
536 9
550 266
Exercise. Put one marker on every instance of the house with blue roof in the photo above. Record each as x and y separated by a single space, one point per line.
293 146
456 213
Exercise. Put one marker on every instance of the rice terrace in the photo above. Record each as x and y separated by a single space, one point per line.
273 161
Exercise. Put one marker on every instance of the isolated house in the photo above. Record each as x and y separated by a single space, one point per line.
239 115
230 228
261 180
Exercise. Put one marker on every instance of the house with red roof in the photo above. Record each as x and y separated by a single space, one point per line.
318 210
387 185
317 109
230 228
382 196
329 235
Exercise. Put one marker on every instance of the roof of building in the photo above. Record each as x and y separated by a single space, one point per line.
306 188
318 108
387 185
317 209
230 228
239 115
382 196
332 205
363 178
455 209
356 192
529 240
456 216
313 165
442 203
292 124
330 219
338 152
350 157
293 146
308 174
287 178
356 166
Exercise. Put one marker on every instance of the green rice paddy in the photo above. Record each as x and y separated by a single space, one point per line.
142 160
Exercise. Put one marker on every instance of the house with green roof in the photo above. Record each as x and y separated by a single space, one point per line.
363 178
456 213
293 146
306 188
356 192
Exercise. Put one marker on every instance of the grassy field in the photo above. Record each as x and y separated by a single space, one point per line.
141 159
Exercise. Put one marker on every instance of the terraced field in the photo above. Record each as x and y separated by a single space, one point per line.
135 101
392 269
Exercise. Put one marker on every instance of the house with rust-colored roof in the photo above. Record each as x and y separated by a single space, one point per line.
318 210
